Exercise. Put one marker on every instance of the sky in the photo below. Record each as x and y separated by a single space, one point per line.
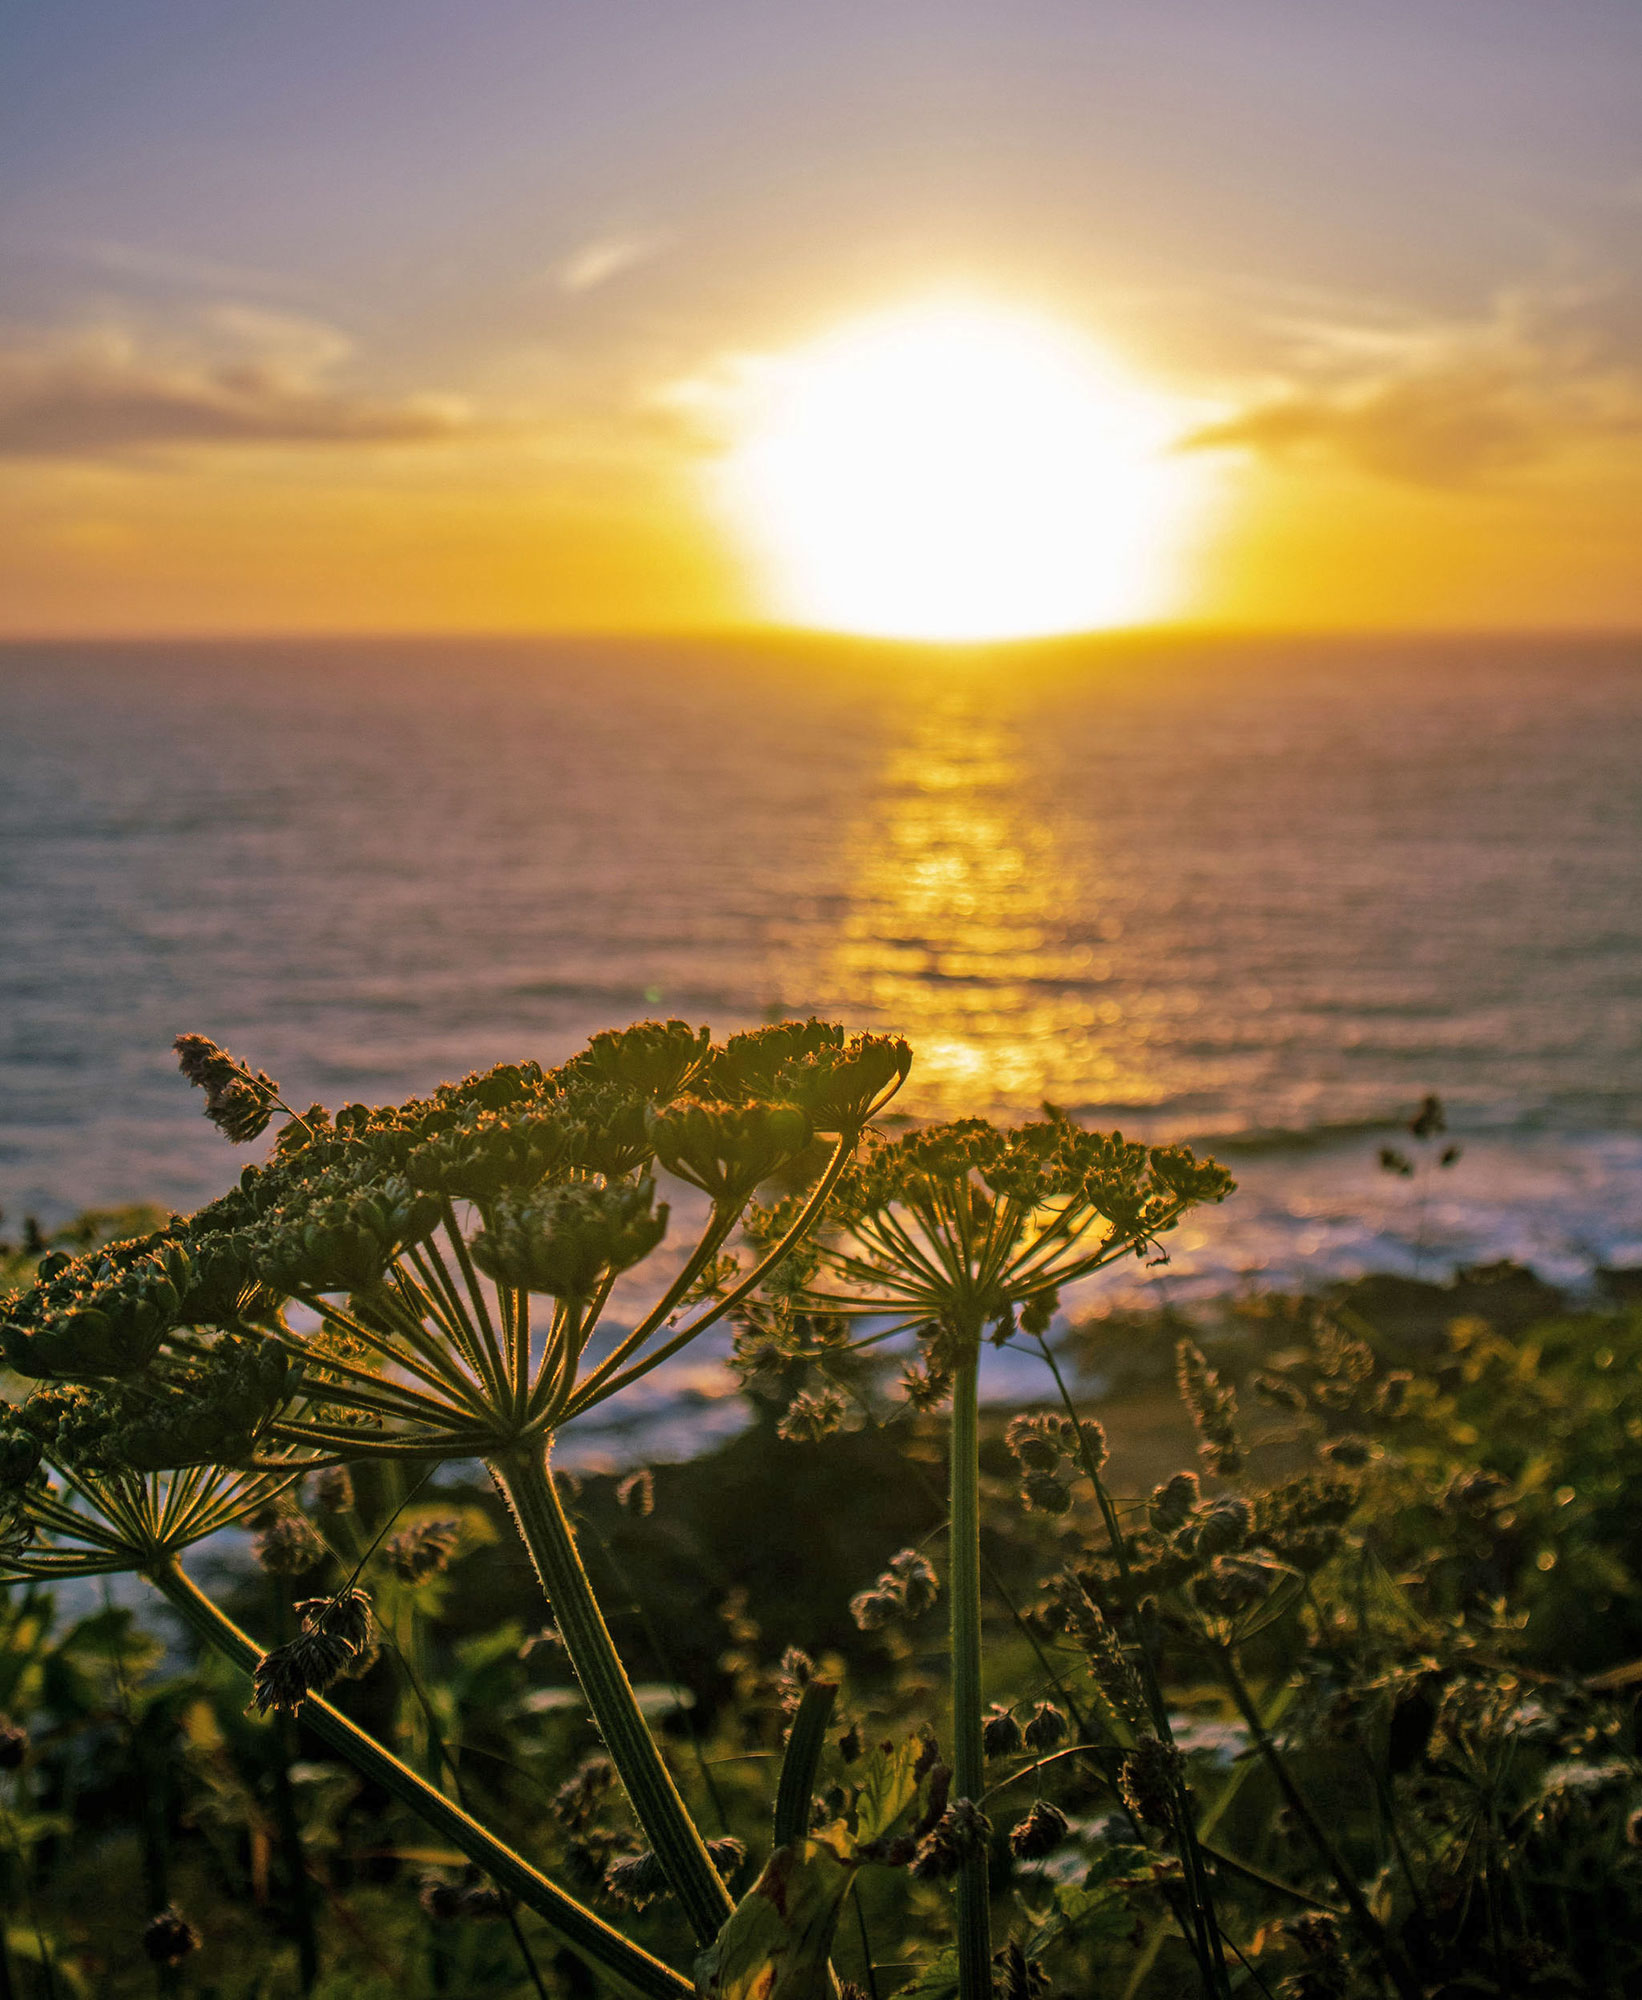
402 316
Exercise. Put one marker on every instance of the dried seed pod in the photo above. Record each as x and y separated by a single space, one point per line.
288 1546
1040 1833
1148 1780
919 1585
726 1854
636 1879
421 1551
1046 1494
1173 1503
333 1490
169 1938
1000 1733
813 1414
1045 1728
1212 1404
962 1830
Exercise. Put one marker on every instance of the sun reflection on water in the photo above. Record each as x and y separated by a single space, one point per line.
977 928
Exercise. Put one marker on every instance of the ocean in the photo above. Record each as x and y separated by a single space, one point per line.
1261 894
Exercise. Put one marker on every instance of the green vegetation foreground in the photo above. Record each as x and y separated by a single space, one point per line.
1340 1710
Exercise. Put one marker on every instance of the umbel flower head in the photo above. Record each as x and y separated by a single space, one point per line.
417 1240
963 1228
76 1506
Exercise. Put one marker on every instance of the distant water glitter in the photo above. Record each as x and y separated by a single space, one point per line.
1259 894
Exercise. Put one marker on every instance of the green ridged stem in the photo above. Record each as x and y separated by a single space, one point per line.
974 1895
527 1485
805 1742
603 1947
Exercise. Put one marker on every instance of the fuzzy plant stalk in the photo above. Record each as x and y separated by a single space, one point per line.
526 1482
453 1259
972 1897
1199 1923
588 1935
963 1233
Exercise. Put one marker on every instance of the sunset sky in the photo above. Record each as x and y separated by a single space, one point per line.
396 315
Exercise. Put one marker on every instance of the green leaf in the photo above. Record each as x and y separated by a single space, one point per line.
935 1980
888 1786
1098 1907
777 1941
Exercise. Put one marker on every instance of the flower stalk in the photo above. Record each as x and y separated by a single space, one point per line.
632 1968
973 1892
526 1483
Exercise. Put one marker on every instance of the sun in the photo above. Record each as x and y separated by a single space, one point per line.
957 471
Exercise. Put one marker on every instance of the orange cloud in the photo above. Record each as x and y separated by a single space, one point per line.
101 396
1446 406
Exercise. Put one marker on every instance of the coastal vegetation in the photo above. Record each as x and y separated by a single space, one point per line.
1289 1649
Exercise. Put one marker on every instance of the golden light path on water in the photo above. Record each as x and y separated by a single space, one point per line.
969 921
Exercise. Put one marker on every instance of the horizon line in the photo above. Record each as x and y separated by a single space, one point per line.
808 634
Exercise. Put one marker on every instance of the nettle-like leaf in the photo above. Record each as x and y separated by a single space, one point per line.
778 1941
889 1785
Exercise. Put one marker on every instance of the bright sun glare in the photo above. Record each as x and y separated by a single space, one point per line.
960 472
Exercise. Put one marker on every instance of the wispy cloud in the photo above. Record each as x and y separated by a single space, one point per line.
104 393
1453 404
606 257
175 268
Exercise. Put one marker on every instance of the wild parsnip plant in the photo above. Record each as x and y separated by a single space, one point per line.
414 1239
963 1233
1301 1720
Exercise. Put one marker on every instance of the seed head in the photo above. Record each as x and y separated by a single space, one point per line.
1174 1501
1040 1833
962 1830
637 1492
346 1616
1148 1780
873 1609
919 1585
1000 1733
636 1879
1044 1493
812 1415
333 1490
421 1551
1038 1443
577 1798
1046 1727
1213 1407
288 1546
239 1101
169 1938
565 1240
336 1633
1224 1525
1234 1584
